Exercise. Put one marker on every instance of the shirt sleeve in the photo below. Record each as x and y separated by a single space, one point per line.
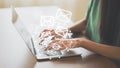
89 8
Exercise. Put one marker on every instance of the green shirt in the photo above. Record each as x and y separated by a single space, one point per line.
92 28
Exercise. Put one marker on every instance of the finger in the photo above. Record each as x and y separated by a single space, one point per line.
58 36
60 49
50 45
42 32
55 41
48 48
41 41
45 30
65 43
52 32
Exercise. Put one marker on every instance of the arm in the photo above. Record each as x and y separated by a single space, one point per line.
79 26
102 49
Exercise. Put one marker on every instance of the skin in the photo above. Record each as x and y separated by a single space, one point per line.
111 52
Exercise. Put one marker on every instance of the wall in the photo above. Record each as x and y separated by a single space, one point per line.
77 7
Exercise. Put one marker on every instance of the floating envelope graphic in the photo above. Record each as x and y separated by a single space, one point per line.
47 21
63 15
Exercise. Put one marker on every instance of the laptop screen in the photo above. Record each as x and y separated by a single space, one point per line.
17 22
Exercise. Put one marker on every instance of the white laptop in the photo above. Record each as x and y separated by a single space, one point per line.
24 32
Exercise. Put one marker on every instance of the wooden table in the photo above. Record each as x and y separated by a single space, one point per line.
15 54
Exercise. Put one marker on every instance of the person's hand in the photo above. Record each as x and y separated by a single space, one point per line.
55 34
47 32
64 44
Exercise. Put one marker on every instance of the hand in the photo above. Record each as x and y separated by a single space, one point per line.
64 44
46 33
55 34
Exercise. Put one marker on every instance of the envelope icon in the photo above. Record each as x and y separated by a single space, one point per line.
63 15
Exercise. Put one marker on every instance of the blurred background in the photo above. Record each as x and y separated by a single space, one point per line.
77 7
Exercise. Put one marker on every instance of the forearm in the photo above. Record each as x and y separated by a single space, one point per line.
79 26
105 50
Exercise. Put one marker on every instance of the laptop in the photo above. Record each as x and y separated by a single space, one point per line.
29 40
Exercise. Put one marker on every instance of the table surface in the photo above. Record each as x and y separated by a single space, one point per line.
15 54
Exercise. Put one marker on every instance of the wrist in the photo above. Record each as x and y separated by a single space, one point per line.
81 42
